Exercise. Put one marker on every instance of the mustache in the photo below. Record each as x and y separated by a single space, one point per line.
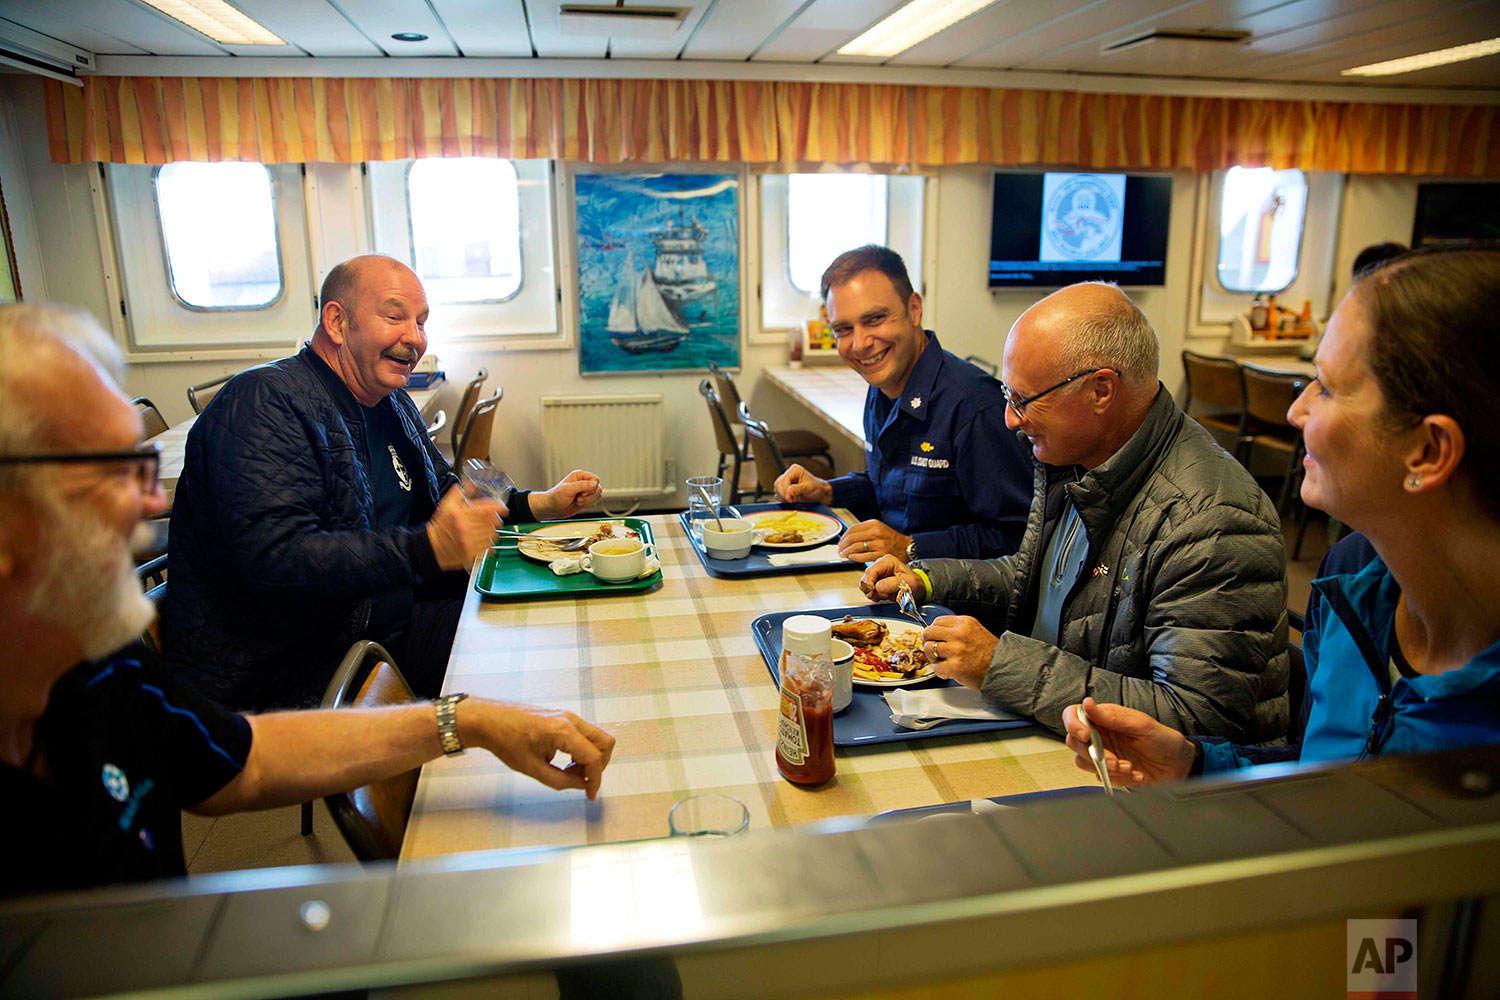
401 355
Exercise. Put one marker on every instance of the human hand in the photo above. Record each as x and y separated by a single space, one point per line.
869 540
960 647
460 529
797 485
577 491
884 578
526 739
1138 750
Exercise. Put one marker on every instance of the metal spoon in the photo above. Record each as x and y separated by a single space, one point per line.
1096 752
709 499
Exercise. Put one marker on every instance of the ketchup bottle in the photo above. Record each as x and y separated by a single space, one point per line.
804 733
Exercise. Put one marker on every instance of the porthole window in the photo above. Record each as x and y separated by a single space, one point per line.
218 228
827 214
1261 217
466 228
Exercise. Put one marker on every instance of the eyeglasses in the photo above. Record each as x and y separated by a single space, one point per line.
146 460
1019 403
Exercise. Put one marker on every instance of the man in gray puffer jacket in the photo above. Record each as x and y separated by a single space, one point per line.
1152 572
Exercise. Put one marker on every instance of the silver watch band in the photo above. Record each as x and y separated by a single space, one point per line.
447 723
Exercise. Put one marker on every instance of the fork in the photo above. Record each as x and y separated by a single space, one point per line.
907 604
1096 752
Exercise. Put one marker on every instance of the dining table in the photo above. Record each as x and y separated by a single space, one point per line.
674 674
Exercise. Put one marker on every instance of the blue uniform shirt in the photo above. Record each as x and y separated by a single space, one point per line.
942 466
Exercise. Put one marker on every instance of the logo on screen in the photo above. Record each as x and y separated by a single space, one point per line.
1083 217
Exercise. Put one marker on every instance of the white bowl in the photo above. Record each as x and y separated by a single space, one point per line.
731 543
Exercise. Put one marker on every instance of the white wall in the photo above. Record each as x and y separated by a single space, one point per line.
968 318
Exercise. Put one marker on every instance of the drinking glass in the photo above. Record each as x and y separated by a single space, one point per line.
703 508
481 479
708 816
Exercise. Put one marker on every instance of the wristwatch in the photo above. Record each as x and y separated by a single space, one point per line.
447 722
911 550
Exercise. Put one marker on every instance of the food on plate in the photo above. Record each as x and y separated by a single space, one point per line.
793 527
784 537
603 531
859 632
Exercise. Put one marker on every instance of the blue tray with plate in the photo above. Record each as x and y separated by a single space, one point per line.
758 562
868 718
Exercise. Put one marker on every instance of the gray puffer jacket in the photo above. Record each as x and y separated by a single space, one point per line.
1180 609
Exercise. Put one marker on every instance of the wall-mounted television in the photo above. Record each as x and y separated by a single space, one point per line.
1448 212
1052 229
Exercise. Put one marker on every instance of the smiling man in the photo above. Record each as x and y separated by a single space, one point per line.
313 510
1152 573
945 478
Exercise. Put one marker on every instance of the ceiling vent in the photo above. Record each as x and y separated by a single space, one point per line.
619 21
1207 35
36 53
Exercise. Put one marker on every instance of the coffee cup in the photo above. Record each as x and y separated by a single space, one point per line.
616 560
733 541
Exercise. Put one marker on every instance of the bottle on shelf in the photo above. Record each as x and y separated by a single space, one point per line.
804 722
1305 320
1258 313
1273 318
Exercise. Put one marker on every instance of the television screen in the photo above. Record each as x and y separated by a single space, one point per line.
1052 229
1456 212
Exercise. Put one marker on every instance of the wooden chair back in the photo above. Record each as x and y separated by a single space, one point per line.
723 427
474 442
153 577
465 404
151 418
1213 381
769 463
729 393
202 394
372 818
1269 394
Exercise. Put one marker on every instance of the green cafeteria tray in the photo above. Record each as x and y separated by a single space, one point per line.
508 575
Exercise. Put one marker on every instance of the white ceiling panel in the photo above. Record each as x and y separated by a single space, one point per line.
989 27
659 48
1083 28
48 21
822 27
380 19
131 23
550 43
732 29
1298 51
1474 73
313 26
1325 63
486 28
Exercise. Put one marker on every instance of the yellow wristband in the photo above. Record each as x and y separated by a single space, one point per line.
926 582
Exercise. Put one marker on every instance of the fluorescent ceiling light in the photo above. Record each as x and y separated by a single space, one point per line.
218 21
1427 60
911 24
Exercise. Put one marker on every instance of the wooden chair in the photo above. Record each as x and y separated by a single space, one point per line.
769 461
151 417
794 444
465 404
724 438
372 818
202 394
474 442
1268 396
988 367
1217 382
153 577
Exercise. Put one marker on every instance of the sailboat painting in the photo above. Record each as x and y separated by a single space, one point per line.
658 271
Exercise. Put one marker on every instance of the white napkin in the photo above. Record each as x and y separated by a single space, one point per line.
568 565
652 565
805 557
908 706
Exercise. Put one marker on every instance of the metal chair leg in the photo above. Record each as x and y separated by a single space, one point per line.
734 485
307 819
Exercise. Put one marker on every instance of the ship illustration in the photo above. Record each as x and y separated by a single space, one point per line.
639 318
681 273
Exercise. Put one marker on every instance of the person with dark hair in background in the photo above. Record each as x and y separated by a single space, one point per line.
1374 255
944 477
1403 650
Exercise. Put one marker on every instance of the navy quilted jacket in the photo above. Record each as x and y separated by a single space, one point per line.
274 554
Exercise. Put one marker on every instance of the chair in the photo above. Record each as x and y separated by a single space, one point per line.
151 417
437 425
989 367
724 438
372 818
465 404
1217 382
153 577
474 442
794 444
202 394
769 460
1268 396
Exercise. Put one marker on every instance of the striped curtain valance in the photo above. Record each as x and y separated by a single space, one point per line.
301 119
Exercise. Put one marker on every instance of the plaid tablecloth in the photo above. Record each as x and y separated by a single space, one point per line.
675 675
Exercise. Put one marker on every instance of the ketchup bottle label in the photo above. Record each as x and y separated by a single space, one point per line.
791 730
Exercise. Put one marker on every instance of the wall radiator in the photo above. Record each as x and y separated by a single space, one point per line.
622 438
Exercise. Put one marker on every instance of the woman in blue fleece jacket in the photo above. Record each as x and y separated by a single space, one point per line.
1403 649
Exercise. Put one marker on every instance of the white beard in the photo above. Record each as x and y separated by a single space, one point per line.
89 587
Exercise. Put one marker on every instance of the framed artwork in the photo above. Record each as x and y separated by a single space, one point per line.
658 271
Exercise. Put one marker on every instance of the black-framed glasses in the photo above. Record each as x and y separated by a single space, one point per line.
146 461
1019 403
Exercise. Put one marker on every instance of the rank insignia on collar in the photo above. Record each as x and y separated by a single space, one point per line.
916 402
1101 570
926 445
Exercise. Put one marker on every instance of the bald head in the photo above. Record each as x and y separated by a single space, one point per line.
372 325
1094 325
343 282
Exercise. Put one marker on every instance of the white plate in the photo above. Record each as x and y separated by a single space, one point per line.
542 552
830 527
897 628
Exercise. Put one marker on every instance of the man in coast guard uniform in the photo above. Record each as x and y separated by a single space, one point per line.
945 477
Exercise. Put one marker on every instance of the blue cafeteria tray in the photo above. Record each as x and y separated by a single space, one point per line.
757 562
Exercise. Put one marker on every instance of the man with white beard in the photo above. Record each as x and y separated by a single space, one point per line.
100 750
